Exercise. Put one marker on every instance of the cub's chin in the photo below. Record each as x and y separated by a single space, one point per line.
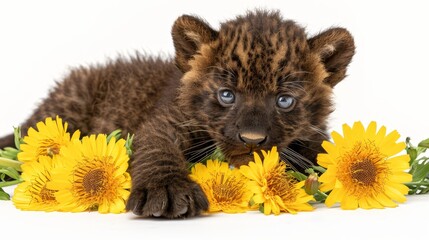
239 159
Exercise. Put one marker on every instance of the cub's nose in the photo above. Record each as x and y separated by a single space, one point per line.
252 138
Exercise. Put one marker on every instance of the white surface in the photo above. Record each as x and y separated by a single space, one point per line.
387 82
408 221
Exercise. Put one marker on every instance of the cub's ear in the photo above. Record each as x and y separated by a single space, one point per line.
189 33
335 47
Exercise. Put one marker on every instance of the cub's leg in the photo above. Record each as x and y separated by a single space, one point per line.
160 183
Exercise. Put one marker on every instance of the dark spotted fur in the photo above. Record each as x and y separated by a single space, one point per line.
176 114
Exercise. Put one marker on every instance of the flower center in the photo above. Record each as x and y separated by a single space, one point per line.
93 181
280 184
229 190
47 195
364 172
49 147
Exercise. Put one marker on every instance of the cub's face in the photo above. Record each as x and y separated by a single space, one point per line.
259 81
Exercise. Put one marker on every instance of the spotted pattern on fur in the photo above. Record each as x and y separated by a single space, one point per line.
174 108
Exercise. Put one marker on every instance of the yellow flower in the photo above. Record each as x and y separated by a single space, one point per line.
92 175
32 194
47 141
363 169
273 187
225 188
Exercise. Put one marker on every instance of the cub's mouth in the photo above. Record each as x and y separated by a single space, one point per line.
243 157
240 153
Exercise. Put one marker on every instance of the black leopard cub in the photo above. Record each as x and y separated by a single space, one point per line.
256 82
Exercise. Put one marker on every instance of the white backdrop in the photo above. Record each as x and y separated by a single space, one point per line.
41 40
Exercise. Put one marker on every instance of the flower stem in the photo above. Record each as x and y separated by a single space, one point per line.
320 196
11 183
319 168
323 194
5 162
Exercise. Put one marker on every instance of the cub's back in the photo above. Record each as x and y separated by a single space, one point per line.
119 94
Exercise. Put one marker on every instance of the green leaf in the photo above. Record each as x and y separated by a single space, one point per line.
261 208
9 153
218 154
11 150
11 172
215 155
129 144
412 152
309 171
299 176
6 162
10 183
319 197
17 137
424 143
424 190
420 150
412 190
418 188
319 169
251 202
4 195
421 171
116 134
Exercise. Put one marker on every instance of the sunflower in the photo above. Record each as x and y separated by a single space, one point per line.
47 141
273 187
33 194
92 175
225 188
364 168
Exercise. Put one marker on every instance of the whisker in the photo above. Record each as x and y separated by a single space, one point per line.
190 123
205 131
294 153
319 131
302 144
201 143
194 138
293 157
284 158
295 85
297 158
292 162
202 152
310 140
292 74
228 70
199 128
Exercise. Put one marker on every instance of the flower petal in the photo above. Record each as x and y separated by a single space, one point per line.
395 194
349 203
336 195
401 177
385 201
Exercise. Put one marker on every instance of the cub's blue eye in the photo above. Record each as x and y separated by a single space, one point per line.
285 102
226 97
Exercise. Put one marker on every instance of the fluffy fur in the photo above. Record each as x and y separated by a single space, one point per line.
176 111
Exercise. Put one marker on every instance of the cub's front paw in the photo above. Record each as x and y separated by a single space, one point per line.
178 199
